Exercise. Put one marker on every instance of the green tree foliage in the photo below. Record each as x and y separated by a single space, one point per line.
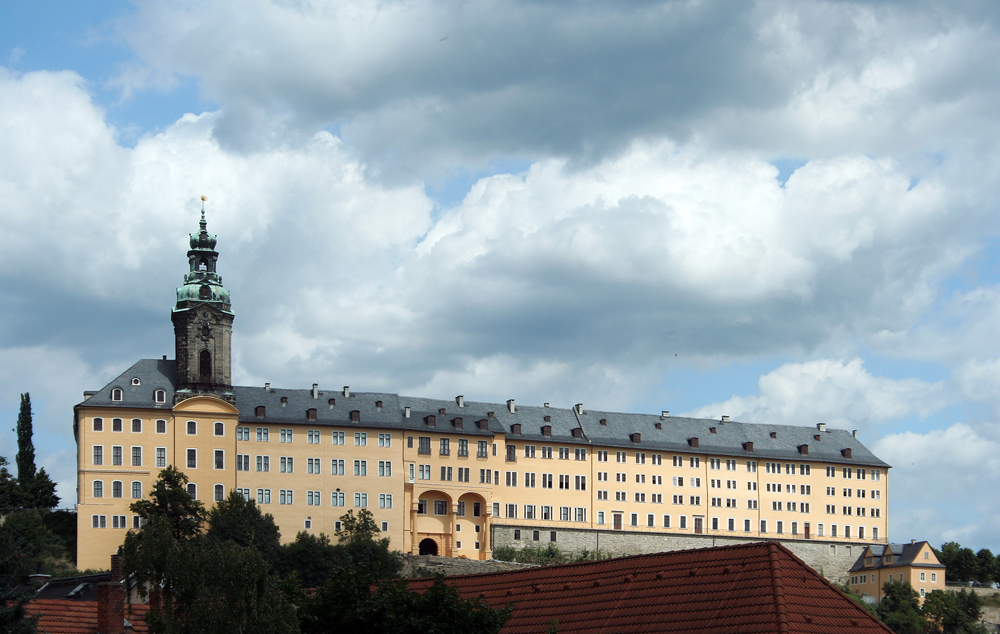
39 492
953 613
986 566
10 495
961 563
361 544
25 446
239 520
205 585
312 559
15 559
169 501
362 528
900 608
355 603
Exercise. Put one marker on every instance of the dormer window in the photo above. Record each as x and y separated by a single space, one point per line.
547 430
483 423
577 432
160 396
332 402
378 404
604 421
284 400
135 381
547 419
457 422
888 559
311 413
260 411
430 420
355 416
693 442
515 428
116 394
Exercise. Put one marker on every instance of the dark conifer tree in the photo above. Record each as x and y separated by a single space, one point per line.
25 447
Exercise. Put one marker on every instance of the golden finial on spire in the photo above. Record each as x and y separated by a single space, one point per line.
203 199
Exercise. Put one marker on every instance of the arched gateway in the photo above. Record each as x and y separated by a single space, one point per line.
428 547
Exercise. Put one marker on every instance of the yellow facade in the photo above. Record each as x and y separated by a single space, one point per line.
440 489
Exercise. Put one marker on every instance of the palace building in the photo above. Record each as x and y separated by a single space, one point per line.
458 477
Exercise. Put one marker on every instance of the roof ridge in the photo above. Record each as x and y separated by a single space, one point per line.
777 585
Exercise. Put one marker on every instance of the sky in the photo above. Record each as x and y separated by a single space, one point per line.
783 212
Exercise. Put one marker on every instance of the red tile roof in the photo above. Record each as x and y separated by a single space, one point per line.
760 587
68 616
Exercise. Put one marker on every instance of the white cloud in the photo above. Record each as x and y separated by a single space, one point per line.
943 469
842 393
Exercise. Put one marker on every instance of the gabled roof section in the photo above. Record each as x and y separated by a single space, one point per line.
751 588
903 555
282 405
153 374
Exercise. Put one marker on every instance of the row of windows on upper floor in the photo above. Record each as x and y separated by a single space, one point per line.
863 579
121 521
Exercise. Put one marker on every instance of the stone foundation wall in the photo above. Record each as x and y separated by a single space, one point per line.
833 563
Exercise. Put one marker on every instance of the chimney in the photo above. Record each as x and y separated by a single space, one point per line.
665 413
510 405
725 419
315 390
164 357
111 601
347 391
267 386
579 408
913 541
406 412
545 404
854 432
460 400
821 426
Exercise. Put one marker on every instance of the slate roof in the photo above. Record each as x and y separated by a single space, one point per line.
66 616
674 434
904 555
750 588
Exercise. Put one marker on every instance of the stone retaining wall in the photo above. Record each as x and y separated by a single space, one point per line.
833 563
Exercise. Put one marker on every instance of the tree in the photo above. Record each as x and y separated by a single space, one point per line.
10 494
900 608
204 585
25 447
985 566
170 502
953 613
312 559
241 521
39 492
360 542
354 602
14 556
360 528
961 563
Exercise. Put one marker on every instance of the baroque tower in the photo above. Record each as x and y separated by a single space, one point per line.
203 324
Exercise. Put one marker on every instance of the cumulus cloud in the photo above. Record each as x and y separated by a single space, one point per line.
943 469
842 393
418 86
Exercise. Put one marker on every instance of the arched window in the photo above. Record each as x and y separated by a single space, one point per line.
205 364
205 292
203 264
220 493
98 489
220 429
116 394
161 396
116 489
192 428
136 489
192 489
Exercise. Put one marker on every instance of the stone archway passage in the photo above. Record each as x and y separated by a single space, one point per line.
428 547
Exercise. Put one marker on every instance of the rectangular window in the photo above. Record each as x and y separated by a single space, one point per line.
446 474
564 513
313 466
580 454
444 447
116 455
425 472
424 446
547 513
463 448
336 467
441 507
99 521
98 426
220 459
580 483
547 453
385 500
529 511
360 439
98 455
262 434
136 428
116 424
242 433
483 449
285 496
312 498
192 458
263 463
547 480
337 437
360 468
286 435
510 478
337 498
580 514
287 464
529 480
312 437
564 482
263 496
564 453
385 468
